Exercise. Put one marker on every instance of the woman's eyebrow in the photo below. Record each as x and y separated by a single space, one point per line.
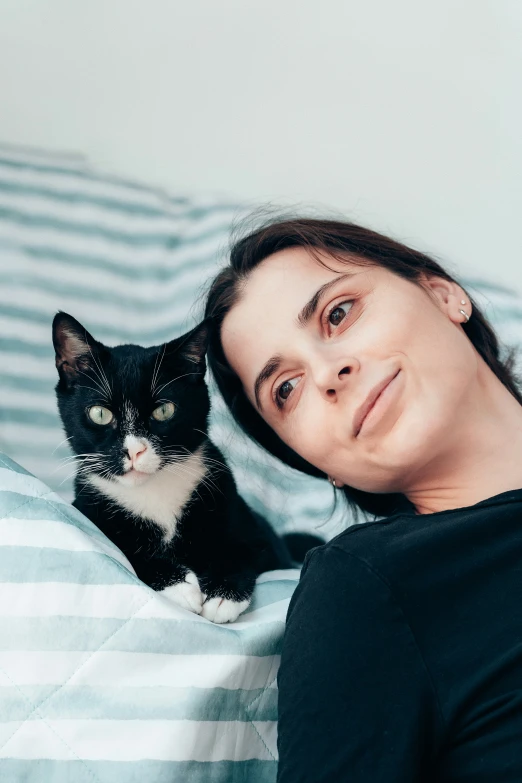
268 370
310 307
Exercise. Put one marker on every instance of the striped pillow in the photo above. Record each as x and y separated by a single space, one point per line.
130 262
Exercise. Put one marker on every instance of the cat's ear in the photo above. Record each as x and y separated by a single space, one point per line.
192 347
76 350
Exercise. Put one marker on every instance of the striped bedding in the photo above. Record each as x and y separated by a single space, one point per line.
102 679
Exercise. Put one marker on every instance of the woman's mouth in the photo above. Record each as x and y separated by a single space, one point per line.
375 403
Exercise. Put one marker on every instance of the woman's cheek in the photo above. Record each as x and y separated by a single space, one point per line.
309 432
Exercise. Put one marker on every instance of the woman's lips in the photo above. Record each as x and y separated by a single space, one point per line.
364 409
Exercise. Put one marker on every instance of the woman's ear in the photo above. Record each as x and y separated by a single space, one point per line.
450 297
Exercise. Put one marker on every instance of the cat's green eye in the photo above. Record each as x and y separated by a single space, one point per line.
163 412
100 415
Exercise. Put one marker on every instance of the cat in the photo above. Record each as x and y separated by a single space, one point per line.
150 477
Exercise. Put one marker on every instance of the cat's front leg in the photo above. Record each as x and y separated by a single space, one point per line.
226 597
223 610
186 593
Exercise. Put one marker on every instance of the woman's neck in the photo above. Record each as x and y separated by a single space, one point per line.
482 456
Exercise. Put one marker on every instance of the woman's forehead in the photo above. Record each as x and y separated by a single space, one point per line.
285 277
303 264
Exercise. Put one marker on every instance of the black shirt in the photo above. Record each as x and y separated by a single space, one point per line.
402 658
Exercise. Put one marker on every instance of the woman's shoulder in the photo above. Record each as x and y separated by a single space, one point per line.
408 551
349 578
365 540
364 572
386 550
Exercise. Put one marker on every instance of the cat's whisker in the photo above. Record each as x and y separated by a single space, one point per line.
106 474
88 469
83 489
92 459
67 478
82 454
202 482
76 458
215 462
107 392
182 467
175 453
64 460
79 458
104 394
156 370
94 380
176 379
61 443
92 464
103 377
208 460
60 467
211 463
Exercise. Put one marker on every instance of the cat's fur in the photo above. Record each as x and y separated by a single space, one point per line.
179 520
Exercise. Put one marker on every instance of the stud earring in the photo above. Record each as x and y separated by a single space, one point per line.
463 301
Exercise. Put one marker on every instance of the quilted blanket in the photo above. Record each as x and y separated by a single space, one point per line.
103 680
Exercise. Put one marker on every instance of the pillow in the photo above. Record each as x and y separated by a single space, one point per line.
130 261
102 679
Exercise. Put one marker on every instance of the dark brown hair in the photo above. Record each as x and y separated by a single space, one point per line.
340 240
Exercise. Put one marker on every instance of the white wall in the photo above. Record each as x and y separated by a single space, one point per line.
405 114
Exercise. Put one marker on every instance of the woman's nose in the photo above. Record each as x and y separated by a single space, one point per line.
333 378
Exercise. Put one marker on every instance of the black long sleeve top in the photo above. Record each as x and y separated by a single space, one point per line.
402 658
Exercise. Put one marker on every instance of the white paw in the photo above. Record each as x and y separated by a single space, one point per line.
186 594
223 610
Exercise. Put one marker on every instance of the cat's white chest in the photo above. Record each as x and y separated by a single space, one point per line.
162 498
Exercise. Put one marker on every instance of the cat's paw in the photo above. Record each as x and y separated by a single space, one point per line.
186 594
223 610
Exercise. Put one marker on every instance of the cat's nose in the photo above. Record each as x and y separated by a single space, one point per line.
135 450
134 454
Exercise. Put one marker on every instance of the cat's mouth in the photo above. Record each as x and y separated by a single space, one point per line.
132 477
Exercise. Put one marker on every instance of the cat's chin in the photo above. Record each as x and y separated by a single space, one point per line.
133 478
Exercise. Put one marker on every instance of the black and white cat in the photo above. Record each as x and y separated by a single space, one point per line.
149 477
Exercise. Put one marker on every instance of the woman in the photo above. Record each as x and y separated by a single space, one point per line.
353 357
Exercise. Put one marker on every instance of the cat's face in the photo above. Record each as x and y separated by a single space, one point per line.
130 411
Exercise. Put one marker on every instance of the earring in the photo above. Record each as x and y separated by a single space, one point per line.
464 313
463 301
332 481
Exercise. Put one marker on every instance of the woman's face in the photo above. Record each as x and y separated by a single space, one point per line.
314 346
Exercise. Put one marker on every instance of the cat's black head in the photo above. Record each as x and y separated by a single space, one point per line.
130 411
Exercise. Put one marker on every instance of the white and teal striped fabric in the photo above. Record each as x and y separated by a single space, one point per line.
103 680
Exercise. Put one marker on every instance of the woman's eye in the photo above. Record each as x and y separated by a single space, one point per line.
339 313
285 390
164 412
100 415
